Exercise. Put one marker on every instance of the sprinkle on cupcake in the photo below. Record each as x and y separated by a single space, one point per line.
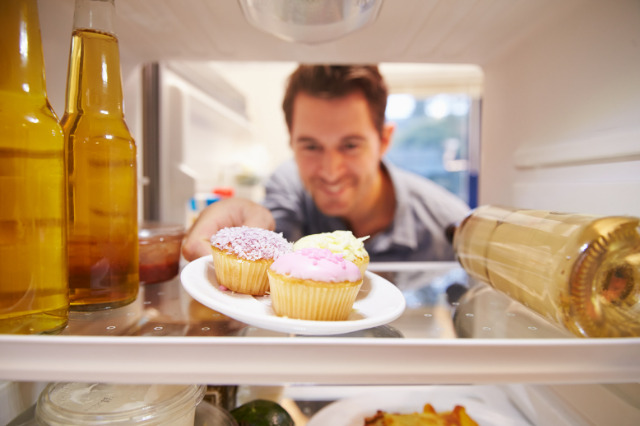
251 243
317 264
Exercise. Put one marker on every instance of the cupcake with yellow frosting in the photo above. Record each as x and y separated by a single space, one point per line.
343 243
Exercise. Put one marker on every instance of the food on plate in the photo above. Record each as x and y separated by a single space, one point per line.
242 255
339 242
429 417
314 284
261 412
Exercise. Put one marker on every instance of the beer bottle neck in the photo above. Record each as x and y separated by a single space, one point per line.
95 83
22 71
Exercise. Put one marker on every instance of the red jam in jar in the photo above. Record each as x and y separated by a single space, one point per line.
160 245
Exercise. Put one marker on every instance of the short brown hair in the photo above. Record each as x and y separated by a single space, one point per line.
336 81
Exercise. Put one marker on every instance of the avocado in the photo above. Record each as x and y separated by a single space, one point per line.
261 412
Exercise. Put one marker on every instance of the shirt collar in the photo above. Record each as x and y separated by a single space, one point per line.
401 232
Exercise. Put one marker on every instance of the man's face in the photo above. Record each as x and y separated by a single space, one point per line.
338 151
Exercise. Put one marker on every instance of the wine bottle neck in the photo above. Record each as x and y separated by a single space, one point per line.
22 70
95 14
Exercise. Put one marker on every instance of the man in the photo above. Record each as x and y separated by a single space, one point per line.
338 178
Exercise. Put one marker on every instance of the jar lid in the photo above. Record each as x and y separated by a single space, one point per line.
152 230
102 403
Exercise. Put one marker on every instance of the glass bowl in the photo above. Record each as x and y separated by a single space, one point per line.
160 245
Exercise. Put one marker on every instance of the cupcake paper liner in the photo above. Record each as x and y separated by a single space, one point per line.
239 275
310 300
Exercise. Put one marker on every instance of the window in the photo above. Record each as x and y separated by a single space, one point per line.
435 138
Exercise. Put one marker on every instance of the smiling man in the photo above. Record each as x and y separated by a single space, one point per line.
338 153
338 179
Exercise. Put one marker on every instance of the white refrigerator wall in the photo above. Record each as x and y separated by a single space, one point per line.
560 119
561 115
221 126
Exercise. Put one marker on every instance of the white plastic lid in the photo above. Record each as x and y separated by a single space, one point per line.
103 403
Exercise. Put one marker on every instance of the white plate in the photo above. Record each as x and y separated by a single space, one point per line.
379 302
486 405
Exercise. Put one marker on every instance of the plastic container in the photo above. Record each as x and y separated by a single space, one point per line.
63 404
159 251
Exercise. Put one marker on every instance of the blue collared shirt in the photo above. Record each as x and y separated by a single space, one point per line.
417 233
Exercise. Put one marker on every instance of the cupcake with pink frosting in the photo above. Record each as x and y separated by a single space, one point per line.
343 243
242 255
313 284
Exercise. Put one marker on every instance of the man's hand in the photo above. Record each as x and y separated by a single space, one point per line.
222 214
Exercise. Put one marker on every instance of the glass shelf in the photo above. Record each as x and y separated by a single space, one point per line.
453 331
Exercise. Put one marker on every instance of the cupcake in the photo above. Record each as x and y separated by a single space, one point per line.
339 242
313 284
242 255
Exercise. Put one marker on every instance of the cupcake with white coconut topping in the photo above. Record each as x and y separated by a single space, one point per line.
242 255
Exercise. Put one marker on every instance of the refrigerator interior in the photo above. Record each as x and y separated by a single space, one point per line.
560 96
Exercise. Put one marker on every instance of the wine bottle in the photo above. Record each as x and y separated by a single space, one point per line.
580 271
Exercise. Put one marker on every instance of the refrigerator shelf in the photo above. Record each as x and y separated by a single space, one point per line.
165 336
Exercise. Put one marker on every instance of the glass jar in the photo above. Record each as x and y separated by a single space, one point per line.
91 404
160 245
